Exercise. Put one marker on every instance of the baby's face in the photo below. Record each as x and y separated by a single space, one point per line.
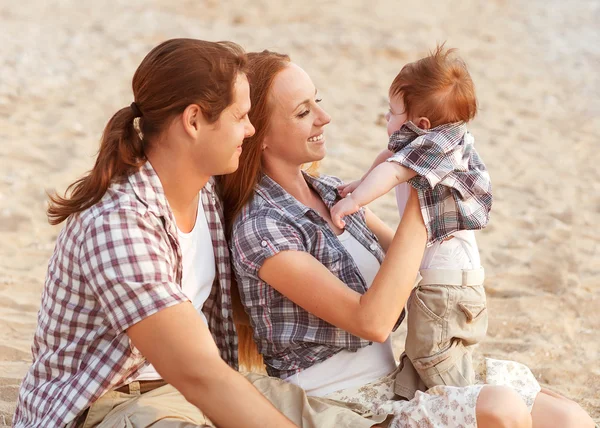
396 115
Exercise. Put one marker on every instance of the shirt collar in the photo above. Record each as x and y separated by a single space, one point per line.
274 194
210 185
149 190
325 186
445 135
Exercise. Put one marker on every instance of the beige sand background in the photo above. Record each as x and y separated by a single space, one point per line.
66 68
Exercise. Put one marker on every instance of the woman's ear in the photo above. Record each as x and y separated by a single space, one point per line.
423 123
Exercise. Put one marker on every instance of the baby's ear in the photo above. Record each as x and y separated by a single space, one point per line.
424 123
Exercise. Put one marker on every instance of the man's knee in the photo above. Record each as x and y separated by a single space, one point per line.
501 407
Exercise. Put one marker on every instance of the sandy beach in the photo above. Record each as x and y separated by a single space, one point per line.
66 67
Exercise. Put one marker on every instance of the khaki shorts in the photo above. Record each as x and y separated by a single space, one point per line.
165 407
447 315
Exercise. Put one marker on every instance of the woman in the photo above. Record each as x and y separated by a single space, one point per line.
323 301
123 331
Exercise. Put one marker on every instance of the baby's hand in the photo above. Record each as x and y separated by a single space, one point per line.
344 189
343 208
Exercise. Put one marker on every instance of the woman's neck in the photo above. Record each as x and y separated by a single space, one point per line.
292 180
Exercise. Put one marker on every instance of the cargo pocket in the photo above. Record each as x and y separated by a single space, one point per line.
451 367
407 381
469 319
472 310
426 324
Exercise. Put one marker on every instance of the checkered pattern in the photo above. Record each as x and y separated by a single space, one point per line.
218 307
289 338
114 265
453 184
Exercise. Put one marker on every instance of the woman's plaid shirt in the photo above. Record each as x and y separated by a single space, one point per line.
289 338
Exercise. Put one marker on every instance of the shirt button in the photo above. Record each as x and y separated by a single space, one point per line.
373 246
263 243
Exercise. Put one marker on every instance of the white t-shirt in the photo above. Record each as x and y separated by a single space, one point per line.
198 262
459 253
350 369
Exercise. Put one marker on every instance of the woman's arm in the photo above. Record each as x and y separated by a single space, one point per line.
177 342
382 231
302 279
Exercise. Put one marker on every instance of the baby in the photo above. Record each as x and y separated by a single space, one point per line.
430 149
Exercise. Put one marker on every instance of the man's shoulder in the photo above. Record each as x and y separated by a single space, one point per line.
119 200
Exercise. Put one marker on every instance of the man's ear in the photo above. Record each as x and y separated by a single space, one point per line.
192 120
424 123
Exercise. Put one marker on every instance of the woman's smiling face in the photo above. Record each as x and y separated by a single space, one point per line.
295 135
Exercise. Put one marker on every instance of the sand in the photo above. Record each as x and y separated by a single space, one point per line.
66 68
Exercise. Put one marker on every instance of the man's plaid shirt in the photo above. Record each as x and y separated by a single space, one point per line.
290 338
453 184
114 264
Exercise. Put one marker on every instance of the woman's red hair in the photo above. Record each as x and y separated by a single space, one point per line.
237 189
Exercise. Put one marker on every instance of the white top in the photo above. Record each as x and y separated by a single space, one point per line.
350 369
198 263
458 253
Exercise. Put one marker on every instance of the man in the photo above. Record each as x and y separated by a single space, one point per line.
120 340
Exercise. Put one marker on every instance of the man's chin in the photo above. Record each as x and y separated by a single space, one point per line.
232 167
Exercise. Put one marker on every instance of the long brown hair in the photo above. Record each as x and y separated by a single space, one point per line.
237 188
175 74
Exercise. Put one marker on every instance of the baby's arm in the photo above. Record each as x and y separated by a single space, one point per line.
344 189
378 182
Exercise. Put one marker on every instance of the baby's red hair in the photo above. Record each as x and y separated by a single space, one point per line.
438 87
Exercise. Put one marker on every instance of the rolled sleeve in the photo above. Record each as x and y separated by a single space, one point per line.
258 238
129 264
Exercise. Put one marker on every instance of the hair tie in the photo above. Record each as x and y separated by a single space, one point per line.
136 110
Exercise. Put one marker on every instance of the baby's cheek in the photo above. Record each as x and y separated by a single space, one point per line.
394 125
391 128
